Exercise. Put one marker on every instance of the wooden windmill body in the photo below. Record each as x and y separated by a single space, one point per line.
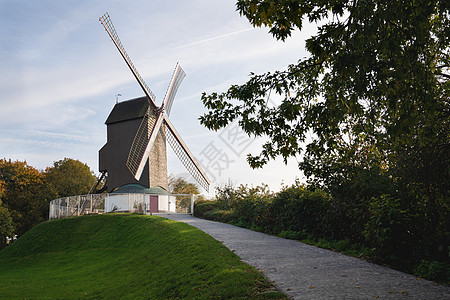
124 118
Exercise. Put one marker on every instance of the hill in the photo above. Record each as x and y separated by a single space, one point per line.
125 256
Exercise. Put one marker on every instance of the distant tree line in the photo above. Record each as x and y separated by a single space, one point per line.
25 192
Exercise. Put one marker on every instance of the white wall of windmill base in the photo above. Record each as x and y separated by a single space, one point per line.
138 202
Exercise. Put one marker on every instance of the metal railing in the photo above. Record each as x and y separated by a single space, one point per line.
131 203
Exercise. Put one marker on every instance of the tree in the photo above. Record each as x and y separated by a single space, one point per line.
178 185
70 177
25 195
2 188
6 226
376 78
6 223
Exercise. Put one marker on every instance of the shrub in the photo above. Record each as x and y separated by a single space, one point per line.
385 229
227 195
252 212
293 235
298 209
246 206
433 270
201 207
219 215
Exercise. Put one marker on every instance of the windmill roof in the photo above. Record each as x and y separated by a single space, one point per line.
128 110
133 188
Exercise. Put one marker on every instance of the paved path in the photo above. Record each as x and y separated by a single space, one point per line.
307 272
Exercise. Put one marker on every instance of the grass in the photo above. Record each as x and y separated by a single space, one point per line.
125 256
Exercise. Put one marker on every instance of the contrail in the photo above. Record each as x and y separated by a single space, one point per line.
214 38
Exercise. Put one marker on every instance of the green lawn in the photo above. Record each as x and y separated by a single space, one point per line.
125 256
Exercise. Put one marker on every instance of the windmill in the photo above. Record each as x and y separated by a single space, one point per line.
154 129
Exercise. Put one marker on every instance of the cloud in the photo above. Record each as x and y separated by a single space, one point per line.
46 90
59 136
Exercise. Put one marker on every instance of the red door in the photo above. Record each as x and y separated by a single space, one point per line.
153 203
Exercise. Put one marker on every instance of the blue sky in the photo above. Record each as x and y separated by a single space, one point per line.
60 74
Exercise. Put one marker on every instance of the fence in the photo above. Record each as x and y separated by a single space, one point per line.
132 203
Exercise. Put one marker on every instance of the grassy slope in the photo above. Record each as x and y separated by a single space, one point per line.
126 256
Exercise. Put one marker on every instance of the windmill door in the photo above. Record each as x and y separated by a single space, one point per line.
153 203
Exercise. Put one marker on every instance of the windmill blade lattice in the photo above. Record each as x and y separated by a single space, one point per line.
185 156
107 23
140 141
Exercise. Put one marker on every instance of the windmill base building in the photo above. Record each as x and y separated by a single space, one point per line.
122 124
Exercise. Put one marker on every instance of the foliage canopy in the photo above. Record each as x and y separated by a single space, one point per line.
6 225
374 88
25 192
70 177
178 185
25 195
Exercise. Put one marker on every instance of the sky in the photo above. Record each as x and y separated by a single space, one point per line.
60 74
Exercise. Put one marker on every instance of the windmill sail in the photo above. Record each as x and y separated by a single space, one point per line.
185 156
141 147
107 23
177 78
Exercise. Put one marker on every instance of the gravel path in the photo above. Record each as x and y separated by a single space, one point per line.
307 272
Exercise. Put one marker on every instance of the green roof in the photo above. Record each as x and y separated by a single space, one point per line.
133 188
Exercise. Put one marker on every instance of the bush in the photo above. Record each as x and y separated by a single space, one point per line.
386 229
243 206
227 195
293 235
201 207
298 209
433 270
219 215
406 229
252 212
